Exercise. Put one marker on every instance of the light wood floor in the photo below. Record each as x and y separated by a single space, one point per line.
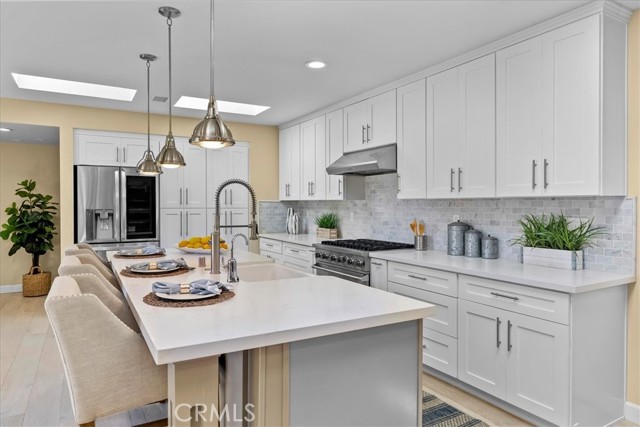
34 392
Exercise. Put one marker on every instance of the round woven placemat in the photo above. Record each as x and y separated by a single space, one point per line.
128 273
139 256
156 301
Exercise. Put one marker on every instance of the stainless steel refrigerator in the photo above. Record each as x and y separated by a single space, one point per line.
115 207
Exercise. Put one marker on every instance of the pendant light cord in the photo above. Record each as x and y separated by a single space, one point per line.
169 23
212 53
148 105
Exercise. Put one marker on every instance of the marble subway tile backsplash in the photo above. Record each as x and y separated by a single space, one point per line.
382 216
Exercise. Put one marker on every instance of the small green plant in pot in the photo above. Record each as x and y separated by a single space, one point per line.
327 226
553 241
30 227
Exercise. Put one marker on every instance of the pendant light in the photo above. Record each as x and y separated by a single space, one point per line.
169 156
211 132
147 165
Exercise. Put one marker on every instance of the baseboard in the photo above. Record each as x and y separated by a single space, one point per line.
7 289
632 412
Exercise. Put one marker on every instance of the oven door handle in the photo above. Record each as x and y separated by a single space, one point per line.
363 279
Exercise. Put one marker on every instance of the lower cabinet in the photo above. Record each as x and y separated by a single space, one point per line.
298 257
378 275
180 224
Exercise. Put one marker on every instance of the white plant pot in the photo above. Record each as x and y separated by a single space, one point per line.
567 260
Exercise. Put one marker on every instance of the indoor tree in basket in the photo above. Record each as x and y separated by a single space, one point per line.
552 241
327 226
30 227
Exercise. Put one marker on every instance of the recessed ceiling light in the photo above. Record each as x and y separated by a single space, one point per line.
70 87
5 130
315 64
223 106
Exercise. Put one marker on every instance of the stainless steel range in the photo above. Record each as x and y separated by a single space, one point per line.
349 259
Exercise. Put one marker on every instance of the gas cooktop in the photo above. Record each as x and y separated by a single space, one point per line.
366 245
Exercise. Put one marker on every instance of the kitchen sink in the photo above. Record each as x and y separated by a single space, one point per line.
265 272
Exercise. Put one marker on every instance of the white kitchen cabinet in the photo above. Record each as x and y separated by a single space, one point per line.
461 131
299 257
339 187
290 176
561 112
110 148
224 164
313 159
185 187
378 274
411 137
181 224
370 123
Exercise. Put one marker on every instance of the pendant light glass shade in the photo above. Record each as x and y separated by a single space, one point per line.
147 165
169 156
211 132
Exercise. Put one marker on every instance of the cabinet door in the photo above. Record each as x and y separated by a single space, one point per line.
308 136
239 161
171 227
538 367
519 119
224 217
477 142
334 138
171 188
378 278
381 120
195 175
412 146
294 164
285 163
217 173
442 135
571 109
98 150
355 127
195 222
481 338
133 150
239 217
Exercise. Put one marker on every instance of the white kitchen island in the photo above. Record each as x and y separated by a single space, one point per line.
319 350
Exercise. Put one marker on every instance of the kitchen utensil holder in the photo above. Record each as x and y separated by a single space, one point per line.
420 243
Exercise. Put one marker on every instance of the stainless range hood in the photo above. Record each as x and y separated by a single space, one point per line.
374 161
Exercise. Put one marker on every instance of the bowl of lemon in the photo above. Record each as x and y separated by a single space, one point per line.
199 245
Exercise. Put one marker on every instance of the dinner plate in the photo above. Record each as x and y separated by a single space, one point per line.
198 250
182 297
156 271
127 254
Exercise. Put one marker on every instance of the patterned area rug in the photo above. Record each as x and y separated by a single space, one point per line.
436 413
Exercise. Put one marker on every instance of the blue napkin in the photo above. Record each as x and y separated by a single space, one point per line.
197 287
162 265
147 250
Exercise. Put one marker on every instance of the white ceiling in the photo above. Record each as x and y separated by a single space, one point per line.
261 46
30 134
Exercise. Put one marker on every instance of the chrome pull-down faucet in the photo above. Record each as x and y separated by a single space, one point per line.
215 235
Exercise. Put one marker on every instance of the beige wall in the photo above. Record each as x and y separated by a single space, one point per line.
19 162
633 341
263 158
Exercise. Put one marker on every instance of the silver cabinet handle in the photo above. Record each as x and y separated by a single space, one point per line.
451 179
225 196
313 188
533 174
231 196
376 263
288 190
294 250
416 277
339 187
124 154
509 325
424 346
269 244
498 342
231 222
180 192
546 184
459 179
117 154
504 296
368 135
187 215
187 195
181 233
398 183
363 141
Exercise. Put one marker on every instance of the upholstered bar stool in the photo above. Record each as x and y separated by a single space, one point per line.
84 249
107 364
69 261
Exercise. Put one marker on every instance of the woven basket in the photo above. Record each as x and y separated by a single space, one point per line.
327 233
36 284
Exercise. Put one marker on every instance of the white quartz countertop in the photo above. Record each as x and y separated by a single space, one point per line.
300 239
261 313
554 279
242 257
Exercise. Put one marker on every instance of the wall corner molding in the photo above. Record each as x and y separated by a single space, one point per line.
632 412
8 289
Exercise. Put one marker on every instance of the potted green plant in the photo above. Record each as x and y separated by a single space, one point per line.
327 226
552 241
30 227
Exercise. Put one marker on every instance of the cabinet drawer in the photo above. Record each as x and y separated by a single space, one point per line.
273 255
438 281
440 351
540 303
303 253
271 245
445 319
297 265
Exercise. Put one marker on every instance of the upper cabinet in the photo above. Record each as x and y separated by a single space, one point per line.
339 187
225 164
110 149
290 163
461 131
411 136
313 159
370 123
561 113
185 187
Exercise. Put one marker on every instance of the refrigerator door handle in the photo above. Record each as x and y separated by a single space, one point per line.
123 199
116 200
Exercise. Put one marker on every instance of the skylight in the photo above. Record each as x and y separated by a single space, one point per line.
223 106
71 87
